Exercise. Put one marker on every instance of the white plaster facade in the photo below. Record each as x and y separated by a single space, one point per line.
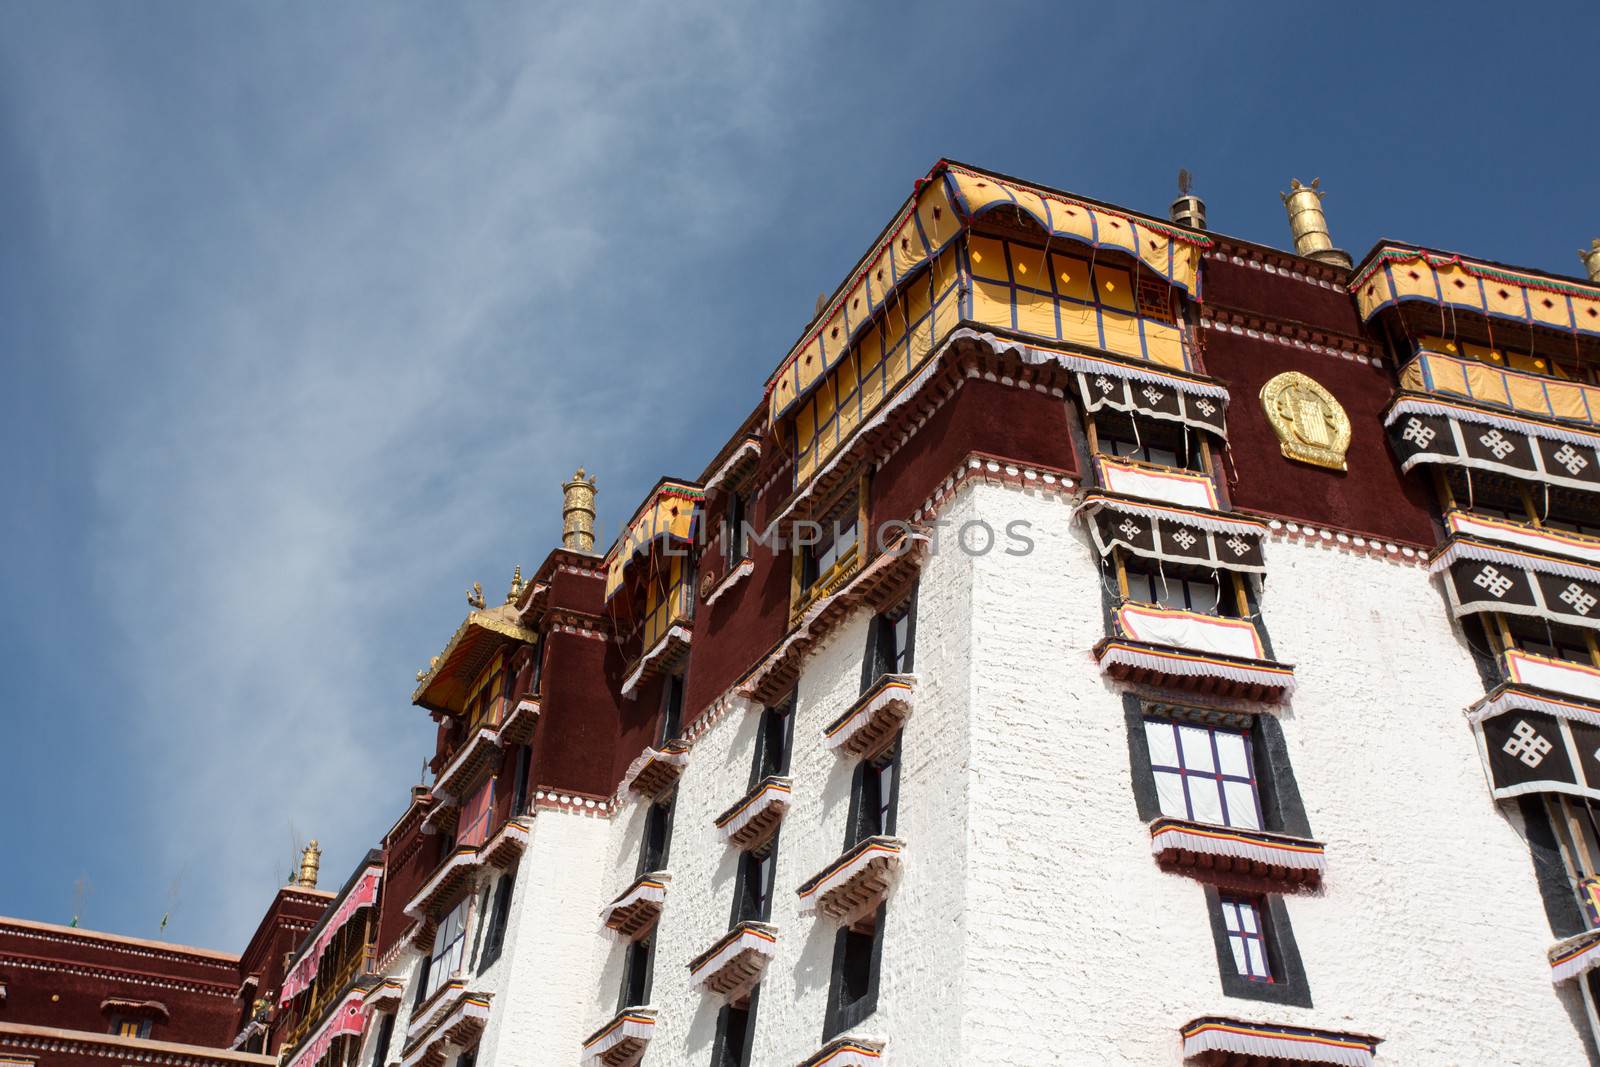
1031 924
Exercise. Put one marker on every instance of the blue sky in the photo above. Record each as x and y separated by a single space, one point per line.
306 310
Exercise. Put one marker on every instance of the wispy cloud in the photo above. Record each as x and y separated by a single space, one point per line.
356 306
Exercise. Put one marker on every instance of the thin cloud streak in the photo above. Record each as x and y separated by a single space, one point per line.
396 308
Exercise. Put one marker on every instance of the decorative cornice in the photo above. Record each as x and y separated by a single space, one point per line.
133 946
50 966
124 1049
1278 262
1291 334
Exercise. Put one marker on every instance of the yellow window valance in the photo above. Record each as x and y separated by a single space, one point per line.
1062 297
1171 253
946 201
1530 394
668 514
869 372
1394 274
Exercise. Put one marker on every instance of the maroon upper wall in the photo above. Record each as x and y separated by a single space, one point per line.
1371 498
1275 296
59 976
983 416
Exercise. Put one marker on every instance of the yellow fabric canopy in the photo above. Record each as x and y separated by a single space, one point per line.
1484 383
669 513
926 225
1394 274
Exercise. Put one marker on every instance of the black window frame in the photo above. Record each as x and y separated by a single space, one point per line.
855 949
638 972
845 515
671 710
751 901
730 1049
1289 984
657 823
871 814
1282 808
1121 435
736 549
774 740
499 918
380 1047
520 780
882 648
1169 575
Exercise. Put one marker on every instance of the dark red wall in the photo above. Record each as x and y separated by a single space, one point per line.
58 977
1372 498
998 420
409 857
1276 297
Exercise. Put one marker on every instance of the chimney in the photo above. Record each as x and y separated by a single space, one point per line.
1187 210
310 860
577 513
1310 226
1591 259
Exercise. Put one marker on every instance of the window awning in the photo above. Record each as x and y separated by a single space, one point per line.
1270 1041
1535 742
1173 534
363 894
1396 274
668 514
1427 430
1104 383
1483 577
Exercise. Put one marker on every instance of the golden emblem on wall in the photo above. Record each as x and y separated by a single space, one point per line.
1310 424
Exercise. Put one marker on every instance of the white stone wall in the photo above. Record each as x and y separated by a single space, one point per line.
1031 924
1428 931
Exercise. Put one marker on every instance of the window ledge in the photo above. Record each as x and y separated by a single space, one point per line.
1187 845
1148 481
1218 1040
736 962
847 1052
442 890
854 884
657 770
384 995
635 911
455 1026
740 571
466 767
504 848
665 654
1584 548
749 823
827 584
518 727
622 1041
1574 956
874 718
1138 661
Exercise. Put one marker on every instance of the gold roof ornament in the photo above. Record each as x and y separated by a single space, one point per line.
1591 259
577 512
516 585
1309 225
310 861
475 595
1311 425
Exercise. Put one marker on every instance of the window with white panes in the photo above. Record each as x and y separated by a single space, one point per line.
1241 917
1204 773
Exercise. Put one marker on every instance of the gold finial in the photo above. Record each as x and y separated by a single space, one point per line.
310 860
475 595
516 585
1591 259
1309 225
577 512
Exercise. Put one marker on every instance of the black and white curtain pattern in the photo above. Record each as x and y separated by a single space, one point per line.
1423 431
1174 535
1483 578
1171 400
1535 752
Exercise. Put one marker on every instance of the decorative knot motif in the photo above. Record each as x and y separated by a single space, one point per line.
1417 433
1491 579
1527 744
1571 459
1496 442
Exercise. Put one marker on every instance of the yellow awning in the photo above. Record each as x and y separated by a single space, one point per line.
668 513
1395 273
449 680
938 214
